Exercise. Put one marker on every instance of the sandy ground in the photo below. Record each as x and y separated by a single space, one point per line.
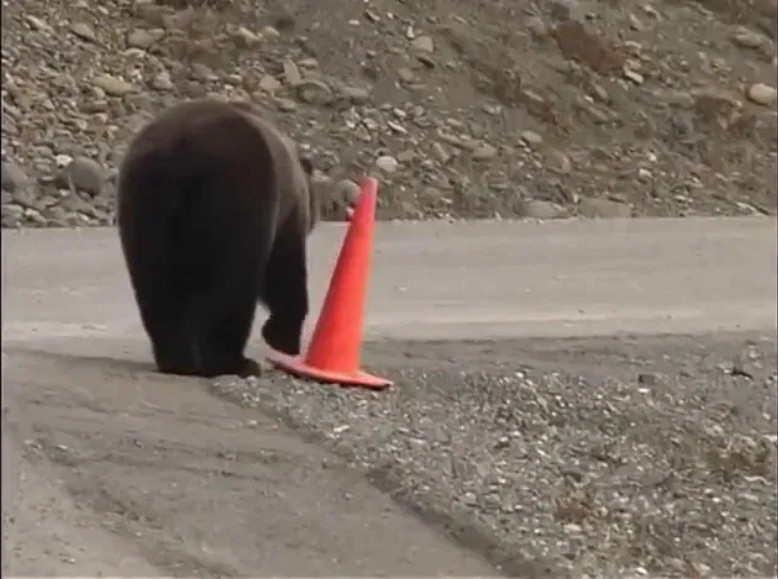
109 468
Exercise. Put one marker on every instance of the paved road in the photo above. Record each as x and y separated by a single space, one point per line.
111 468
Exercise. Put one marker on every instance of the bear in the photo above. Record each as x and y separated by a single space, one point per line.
214 208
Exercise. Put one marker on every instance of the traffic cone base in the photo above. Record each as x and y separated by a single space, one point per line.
296 366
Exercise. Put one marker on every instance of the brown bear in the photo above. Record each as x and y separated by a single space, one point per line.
214 210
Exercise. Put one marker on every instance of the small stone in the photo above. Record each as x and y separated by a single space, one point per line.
648 379
406 75
441 153
600 93
387 164
63 160
13 177
603 208
292 73
745 38
269 83
180 20
270 32
423 44
562 10
162 81
484 152
635 77
355 94
309 63
406 156
537 27
762 94
558 161
531 138
83 31
635 23
540 209
203 72
426 60
396 127
286 105
245 38
75 204
113 86
12 216
38 24
347 192
142 39
680 99
85 174
314 92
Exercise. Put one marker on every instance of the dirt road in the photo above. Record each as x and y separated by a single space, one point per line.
112 469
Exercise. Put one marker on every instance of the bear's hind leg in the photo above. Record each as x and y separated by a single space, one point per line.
172 346
229 244
224 317
149 257
285 289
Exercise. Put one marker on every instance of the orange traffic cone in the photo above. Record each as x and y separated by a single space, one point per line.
334 352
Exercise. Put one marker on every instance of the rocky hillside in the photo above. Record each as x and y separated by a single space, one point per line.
462 108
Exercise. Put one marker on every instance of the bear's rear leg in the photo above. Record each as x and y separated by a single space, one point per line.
223 318
173 346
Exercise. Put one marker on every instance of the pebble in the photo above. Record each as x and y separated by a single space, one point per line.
292 74
635 23
85 174
143 39
269 84
541 209
406 75
537 27
423 44
558 161
748 39
83 31
603 208
531 138
38 24
270 32
762 94
347 192
162 82
286 105
314 92
245 38
355 94
566 10
635 77
203 72
484 152
113 86
387 164
12 215
13 177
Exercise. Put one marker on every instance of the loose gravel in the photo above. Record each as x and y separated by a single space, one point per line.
667 469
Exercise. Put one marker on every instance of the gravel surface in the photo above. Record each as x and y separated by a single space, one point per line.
462 108
650 456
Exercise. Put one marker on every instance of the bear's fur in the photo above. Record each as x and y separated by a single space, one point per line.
214 210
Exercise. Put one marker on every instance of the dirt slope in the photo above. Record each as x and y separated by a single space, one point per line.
463 108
